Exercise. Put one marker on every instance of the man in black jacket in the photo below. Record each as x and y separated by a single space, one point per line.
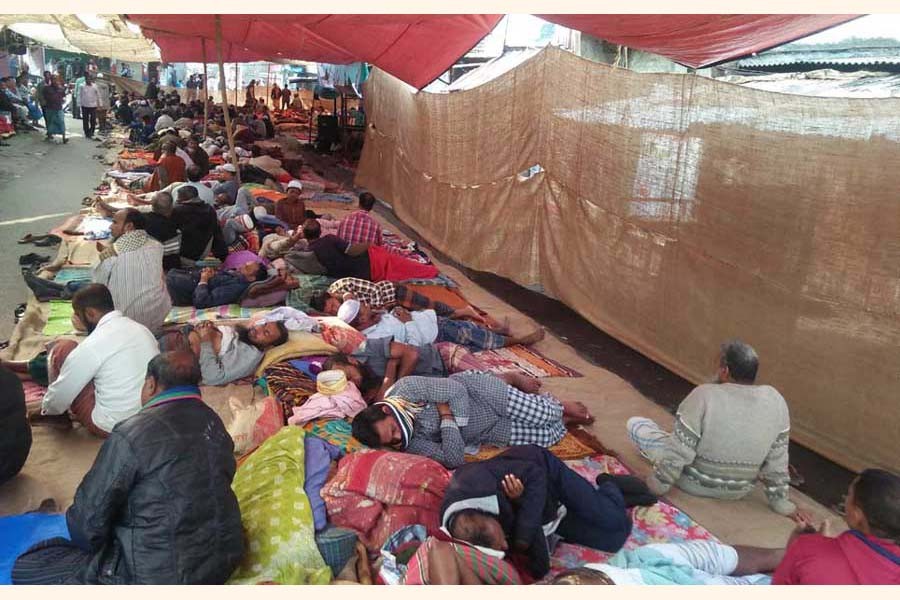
15 433
157 506
513 501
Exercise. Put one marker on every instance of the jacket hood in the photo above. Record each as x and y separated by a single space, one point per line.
488 504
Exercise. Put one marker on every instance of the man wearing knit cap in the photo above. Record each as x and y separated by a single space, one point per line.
292 209
444 418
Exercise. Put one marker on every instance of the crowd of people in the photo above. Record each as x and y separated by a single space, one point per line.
158 505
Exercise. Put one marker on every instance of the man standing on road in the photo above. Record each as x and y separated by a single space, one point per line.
89 100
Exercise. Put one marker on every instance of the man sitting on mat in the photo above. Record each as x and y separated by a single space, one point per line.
727 435
443 418
363 261
157 505
99 380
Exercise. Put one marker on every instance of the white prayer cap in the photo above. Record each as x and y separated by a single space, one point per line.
348 311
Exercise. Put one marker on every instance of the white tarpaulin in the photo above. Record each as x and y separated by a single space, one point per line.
103 35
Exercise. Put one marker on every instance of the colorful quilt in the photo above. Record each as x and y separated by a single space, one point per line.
289 386
336 432
376 492
661 523
188 314
512 359
568 448
277 517
404 247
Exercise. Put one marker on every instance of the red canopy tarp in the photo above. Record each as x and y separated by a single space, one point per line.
413 48
699 40
418 48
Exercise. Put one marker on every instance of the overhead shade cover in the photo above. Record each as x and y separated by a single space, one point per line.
413 48
67 32
699 40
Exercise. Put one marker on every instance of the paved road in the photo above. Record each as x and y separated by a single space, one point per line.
41 184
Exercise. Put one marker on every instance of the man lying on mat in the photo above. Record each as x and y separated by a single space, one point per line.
203 288
421 327
226 353
385 295
443 418
363 261
516 501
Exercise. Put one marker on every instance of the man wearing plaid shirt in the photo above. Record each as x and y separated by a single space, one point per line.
385 295
359 227
459 413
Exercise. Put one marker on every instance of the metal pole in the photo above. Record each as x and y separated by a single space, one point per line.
229 132
205 90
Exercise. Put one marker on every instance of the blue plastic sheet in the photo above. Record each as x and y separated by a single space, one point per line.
20 532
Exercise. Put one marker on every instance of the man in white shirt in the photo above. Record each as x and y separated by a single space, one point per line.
165 121
88 101
99 381
423 327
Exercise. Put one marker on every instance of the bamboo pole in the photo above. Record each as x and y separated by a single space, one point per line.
268 84
223 89
237 85
205 90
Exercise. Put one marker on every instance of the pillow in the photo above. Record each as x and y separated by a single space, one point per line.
340 335
300 343
305 262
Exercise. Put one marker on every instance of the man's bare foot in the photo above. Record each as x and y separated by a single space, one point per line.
532 338
577 413
527 384
502 328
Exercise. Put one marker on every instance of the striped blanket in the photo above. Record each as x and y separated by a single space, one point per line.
189 314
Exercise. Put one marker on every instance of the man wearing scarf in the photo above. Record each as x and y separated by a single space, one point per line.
163 472
132 268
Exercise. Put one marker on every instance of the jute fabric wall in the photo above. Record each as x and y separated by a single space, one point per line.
675 212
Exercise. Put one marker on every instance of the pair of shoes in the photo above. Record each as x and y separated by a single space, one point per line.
32 259
48 240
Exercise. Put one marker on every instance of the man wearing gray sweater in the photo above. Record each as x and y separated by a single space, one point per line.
726 436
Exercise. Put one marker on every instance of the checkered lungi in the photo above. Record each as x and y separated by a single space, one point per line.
536 419
470 335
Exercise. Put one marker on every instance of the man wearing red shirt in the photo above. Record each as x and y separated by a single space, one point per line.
359 227
868 554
